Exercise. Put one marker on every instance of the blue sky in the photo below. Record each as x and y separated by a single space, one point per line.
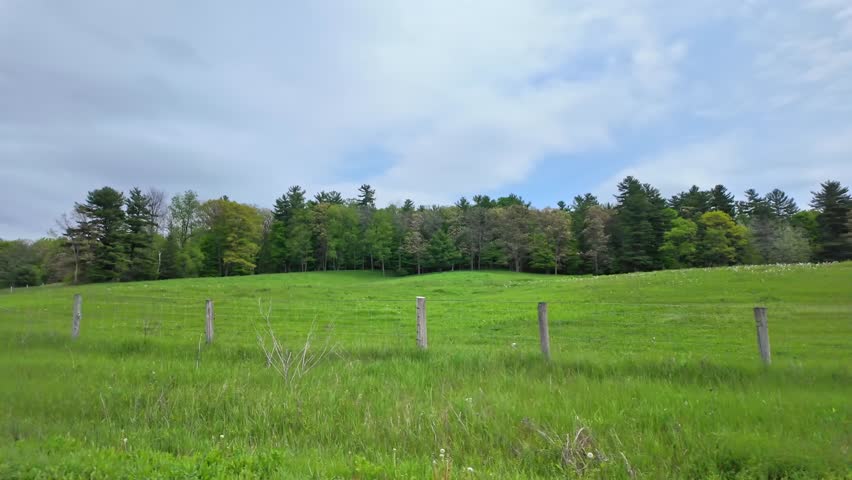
423 100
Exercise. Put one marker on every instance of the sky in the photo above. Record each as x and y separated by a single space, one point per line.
422 100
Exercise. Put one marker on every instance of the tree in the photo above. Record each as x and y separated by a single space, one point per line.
789 245
379 238
679 248
103 217
833 204
579 209
721 241
441 252
366 196
554 226
641 223
142 264
692 203
333 197
780 205
721 200
231 238
415 246
513 222
184 216
596 238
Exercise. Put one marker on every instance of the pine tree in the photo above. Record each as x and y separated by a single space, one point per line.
833 204
142 264
780 205
692 203
103 216
721 200
641 223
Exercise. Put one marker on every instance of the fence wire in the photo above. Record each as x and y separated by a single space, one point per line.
707 330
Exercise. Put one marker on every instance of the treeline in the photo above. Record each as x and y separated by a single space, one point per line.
140 236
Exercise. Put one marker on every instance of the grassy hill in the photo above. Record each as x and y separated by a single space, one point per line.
653 375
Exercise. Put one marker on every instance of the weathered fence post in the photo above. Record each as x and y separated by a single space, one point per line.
762 334
543 331
77 316
208 324
421 323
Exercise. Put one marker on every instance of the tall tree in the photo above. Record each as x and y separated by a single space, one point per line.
721 200
833 203
184 216
780 205
142 264
641 223
597 239
722 242
692 203
104 217
679 248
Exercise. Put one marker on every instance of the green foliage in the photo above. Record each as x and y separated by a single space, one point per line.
833 204
231 236
104 222
111 238
722 242
640 224
680 246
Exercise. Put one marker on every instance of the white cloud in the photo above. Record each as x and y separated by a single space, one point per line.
463 96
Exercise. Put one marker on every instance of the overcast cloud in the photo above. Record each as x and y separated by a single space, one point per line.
424 100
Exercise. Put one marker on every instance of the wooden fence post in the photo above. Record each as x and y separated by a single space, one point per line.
421 323
762 334
543 331
77 316
208 324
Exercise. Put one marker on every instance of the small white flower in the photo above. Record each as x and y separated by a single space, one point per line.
514 345
590 455
222 435
442 451
469 469
124 440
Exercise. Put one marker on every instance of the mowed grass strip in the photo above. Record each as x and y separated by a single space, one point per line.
653 375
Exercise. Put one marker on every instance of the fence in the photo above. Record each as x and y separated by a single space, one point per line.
703 329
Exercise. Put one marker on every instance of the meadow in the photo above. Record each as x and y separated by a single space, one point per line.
653 375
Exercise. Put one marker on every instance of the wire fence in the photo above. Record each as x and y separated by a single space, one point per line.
706 330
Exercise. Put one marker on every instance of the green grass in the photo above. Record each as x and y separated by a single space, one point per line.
659 372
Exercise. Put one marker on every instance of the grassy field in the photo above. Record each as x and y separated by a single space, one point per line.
653 375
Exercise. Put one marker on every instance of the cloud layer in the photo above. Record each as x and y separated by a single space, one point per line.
427 100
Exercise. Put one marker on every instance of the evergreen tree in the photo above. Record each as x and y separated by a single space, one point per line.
103 217
333 197
692 203
833 204
366 196
579 209
641 223
780 205
721 200
441 252
142 264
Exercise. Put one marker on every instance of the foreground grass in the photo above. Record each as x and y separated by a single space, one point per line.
658 373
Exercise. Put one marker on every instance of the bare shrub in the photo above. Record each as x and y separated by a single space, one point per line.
291 365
